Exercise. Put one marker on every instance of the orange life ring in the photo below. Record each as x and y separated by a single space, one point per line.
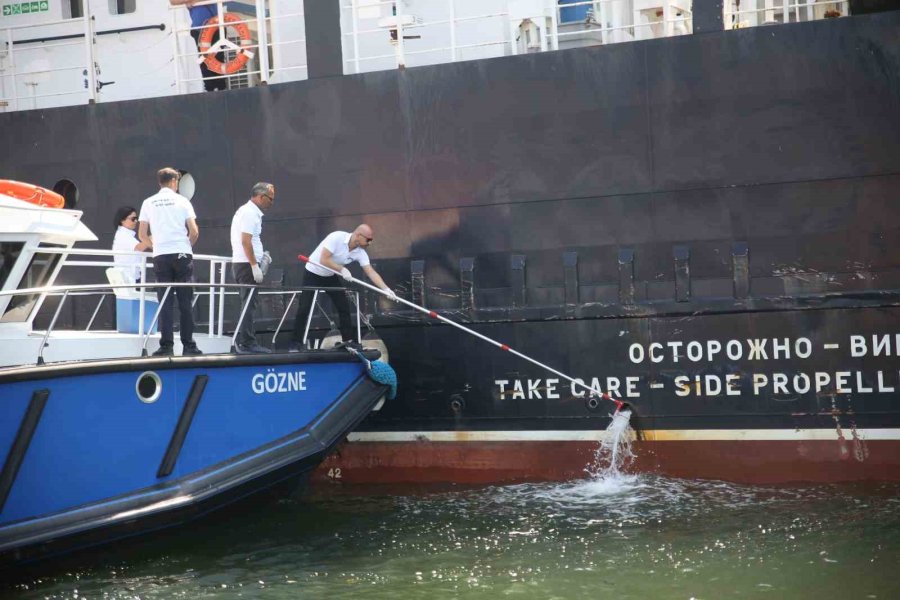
31 193
210 28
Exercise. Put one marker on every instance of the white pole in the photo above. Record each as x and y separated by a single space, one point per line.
401 58
434 315
89 53
262 44
355 17
175 51
12 68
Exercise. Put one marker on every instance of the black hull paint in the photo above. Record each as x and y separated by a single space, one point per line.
729 185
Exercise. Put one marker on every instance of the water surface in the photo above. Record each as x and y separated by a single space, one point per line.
615 536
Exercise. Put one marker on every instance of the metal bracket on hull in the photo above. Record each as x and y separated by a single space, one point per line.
20 445
183 425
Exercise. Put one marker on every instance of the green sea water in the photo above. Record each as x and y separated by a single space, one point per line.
618 536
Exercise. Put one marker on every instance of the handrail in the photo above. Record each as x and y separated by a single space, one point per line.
74 36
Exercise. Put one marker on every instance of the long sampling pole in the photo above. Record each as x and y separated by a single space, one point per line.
593 391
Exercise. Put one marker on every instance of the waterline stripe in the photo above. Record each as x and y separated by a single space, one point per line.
659 435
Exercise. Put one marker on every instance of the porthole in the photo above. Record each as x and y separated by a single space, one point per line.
148 387
186 185
68 190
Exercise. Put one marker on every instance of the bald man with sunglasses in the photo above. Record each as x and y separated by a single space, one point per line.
336 251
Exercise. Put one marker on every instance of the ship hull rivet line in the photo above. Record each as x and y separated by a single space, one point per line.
182 426
434 315
20 445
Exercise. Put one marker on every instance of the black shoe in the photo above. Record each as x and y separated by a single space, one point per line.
164 351
191 351
295 347
252 349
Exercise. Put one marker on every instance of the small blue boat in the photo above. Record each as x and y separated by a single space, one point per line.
100 442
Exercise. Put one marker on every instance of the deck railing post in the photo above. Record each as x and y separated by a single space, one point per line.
40 358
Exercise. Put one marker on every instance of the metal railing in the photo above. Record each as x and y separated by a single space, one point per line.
64 292
737 14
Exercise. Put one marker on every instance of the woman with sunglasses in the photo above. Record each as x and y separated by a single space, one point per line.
126 239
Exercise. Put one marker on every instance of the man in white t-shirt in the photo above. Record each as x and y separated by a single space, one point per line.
170 218
339 248
246 252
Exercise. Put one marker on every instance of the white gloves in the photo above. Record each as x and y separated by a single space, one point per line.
265 261
345 273
257 273
390 294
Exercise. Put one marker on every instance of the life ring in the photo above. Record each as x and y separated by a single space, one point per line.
31 193
210 28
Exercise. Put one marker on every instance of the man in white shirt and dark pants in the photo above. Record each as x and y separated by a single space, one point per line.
246 251
170 218
339 248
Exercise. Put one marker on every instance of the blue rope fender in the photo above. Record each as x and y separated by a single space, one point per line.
383 373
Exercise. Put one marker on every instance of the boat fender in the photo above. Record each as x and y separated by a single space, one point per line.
31 193
457 403
383 373
210 28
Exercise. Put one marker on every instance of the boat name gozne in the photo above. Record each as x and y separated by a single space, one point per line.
278 382
731 384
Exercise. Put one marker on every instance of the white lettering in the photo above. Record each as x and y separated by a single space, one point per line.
577 386
822 380
519 393
803 347
757 349
713 385
802 383
713 347
533 392
502 383
860 387
695 351
840 382
631 387
778 348
779 383
257 383
731 385
551 389
734 350
881 385
759 381
675 346
653 356
857 346
682 387
636 353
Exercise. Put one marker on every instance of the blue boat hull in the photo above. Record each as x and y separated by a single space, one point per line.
89 460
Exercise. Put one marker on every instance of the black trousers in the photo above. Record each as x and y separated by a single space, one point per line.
175 268
210 84
244 274
338 297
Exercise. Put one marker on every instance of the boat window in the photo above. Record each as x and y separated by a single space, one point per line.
9 254
38 273
68 190
72 9
121 7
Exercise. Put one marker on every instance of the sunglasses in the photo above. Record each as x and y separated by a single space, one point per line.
271 199
368 239
132 218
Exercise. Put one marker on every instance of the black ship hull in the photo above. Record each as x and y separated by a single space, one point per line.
709 222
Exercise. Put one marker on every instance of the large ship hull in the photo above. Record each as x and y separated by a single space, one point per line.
732 187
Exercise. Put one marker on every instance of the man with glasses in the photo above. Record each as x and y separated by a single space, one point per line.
170 218
338 249
246 253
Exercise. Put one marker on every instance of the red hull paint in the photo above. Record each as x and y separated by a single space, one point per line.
766 462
